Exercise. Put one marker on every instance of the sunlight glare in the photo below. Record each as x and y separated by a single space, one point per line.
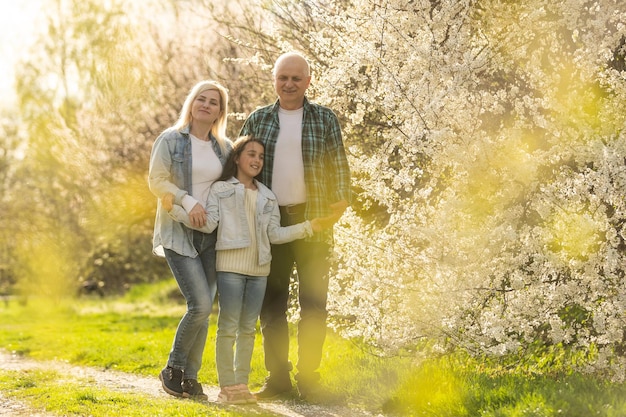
572 234
20 24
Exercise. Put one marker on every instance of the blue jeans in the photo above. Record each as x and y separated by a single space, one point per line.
197 281
240 299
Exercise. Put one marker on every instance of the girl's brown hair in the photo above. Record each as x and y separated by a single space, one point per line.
230 167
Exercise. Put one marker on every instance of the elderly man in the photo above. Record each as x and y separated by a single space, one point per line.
306 167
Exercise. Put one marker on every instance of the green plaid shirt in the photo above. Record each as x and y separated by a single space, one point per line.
326 170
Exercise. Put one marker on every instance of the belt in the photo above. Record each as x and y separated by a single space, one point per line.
292 209
291 214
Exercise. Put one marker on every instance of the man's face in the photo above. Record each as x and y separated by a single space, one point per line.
291 80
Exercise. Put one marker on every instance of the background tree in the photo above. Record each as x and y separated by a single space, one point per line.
508 132
11 146
100 85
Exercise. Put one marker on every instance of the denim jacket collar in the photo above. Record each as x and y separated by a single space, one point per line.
263 190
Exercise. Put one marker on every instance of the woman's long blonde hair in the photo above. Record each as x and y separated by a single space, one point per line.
219 127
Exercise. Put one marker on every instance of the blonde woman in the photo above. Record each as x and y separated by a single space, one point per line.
186 159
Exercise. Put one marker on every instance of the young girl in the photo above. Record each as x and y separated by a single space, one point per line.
247 218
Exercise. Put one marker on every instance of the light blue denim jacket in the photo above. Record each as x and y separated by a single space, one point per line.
226 211
170 172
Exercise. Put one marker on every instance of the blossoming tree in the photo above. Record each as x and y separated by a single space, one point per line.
488 137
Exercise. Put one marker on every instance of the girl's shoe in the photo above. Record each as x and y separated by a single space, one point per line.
245 393
231 395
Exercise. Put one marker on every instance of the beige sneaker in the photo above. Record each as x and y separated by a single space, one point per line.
245 393
231 395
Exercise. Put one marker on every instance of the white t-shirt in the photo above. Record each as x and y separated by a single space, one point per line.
288 171
205 169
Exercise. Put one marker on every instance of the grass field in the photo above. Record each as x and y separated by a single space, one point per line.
134 333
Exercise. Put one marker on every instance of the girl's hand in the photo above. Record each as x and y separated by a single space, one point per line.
320 223
167 201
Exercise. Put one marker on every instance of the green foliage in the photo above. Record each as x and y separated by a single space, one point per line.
118 264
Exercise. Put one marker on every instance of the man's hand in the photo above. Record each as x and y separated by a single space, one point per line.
338 208
320 223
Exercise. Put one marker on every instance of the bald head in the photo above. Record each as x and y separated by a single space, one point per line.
292 76
292 58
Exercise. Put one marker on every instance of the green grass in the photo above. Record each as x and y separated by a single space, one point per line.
134 334
54 393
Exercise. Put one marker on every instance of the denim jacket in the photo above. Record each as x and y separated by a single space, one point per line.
170 172
226 212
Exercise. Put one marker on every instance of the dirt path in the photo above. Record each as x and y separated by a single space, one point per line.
124 382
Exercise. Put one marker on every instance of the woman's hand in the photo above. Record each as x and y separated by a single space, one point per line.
197 216
167 201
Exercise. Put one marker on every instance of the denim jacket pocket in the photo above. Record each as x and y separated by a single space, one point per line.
269 206
178 170
227 199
